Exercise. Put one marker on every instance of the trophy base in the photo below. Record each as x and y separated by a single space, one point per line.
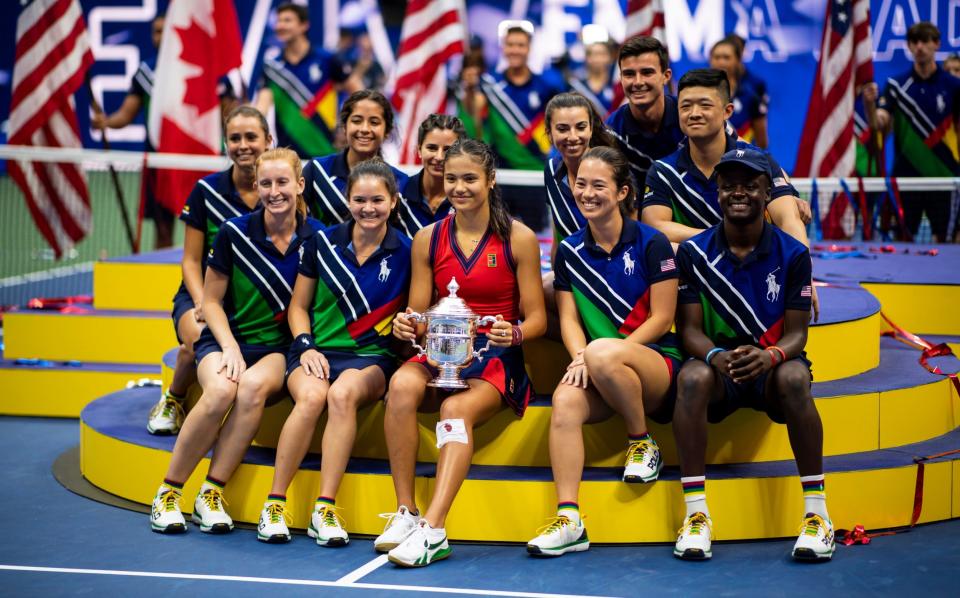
444 383
449 378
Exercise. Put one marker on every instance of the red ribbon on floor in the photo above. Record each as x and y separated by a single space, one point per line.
62 304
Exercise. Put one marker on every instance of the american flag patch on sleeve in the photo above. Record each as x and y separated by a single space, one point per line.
668 265
806 291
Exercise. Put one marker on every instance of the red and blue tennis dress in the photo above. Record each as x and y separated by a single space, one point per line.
488 285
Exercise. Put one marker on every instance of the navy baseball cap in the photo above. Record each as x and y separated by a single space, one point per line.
752 159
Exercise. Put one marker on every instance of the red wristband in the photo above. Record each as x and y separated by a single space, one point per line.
517 335
783 356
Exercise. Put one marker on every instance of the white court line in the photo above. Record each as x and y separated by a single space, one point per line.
293 582
43 275
364 570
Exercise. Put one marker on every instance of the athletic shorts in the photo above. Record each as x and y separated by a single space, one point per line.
208 344
747 394
341 361
664 415
503 367
182 303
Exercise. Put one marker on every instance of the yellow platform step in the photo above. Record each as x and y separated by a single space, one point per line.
98 336
63 391
856 422
745 501
144 285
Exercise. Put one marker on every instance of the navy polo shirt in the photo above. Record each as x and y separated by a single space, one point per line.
261 278
924 114
415 209
213 200
744 301
612 290
567 218
325 190
642 148
676 182
354 304
749 102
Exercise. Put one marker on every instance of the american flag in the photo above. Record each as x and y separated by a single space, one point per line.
806 291
433 32
52 57
644 17
828 144
668 265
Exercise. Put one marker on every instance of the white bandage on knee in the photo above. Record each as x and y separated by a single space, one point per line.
451 430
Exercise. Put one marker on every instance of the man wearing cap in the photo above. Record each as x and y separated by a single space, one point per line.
680 195
646 126
744 305
516 99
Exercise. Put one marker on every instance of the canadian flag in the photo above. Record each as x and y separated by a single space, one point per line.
201 43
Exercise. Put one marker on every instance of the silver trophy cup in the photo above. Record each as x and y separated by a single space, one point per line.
451 327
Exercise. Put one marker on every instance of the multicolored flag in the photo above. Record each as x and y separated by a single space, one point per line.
52 58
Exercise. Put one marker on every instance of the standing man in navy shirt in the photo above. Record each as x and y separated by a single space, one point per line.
922 107
647 126
744 308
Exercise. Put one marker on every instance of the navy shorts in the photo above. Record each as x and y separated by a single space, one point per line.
341 361
747 394
503 367
208 344
182 303
664 414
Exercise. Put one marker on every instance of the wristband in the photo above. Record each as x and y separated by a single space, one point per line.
516 335
783 355
302 343
711 353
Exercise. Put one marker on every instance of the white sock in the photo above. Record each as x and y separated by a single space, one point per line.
814 496
696 501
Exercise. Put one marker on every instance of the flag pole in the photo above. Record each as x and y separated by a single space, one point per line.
134 244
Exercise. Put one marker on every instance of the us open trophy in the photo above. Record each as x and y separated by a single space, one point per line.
451 327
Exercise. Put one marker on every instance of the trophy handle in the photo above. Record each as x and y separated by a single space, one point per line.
416 317
480 322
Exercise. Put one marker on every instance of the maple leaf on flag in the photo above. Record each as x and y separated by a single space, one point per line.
198 87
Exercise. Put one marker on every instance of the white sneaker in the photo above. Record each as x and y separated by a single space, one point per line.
165 515
422 547
398 528
209 514
558 537
643 462
816 539
272 528
693 542
166 416
326 528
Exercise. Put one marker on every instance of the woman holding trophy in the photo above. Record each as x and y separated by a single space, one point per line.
353 277
616 290
494 262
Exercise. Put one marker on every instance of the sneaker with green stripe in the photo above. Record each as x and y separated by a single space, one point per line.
424 546
559 537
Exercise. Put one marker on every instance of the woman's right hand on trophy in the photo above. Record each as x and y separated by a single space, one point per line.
404 328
